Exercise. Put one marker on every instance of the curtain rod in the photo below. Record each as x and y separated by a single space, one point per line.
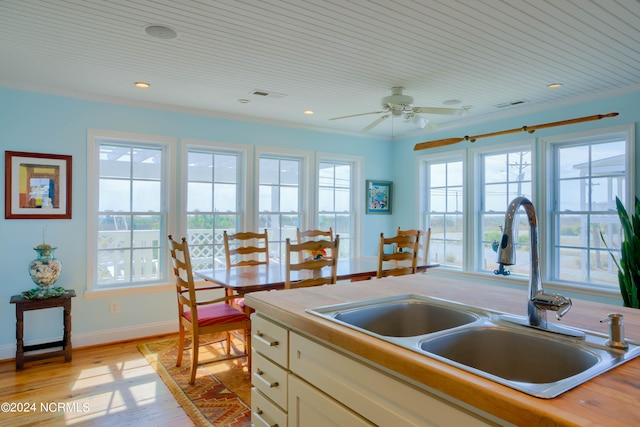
529 129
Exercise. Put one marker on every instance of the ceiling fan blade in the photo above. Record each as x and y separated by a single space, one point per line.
438 110
375 123
356 115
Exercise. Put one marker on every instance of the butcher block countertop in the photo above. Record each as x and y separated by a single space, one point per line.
611 399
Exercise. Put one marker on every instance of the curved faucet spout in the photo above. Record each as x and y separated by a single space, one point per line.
539 302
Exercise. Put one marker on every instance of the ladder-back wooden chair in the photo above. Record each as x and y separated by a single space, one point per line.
424 240
246 248
304 236
404 255
309 266
198 316
313 235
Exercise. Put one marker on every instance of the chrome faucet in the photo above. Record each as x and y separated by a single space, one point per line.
539 301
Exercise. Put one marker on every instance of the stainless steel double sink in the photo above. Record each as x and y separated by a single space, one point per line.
484 342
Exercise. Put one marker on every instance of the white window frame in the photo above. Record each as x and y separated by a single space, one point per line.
169 147
547 144
476 180
422 207
357 203
245 176
306 183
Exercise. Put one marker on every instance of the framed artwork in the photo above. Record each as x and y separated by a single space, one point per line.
378 197
37 186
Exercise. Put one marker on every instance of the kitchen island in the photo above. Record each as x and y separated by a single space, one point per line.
610 399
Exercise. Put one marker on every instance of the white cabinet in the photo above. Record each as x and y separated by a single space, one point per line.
381 398
315 384
269 372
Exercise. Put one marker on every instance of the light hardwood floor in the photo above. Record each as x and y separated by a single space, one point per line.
110 385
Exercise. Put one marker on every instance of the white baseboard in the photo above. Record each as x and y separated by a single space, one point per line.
88 339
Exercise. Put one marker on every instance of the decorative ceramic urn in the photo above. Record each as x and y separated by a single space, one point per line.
45 269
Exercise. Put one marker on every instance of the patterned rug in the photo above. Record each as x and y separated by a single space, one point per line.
222 392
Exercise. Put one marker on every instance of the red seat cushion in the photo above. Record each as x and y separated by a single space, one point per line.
217 314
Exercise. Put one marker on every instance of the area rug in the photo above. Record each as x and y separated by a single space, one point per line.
222 392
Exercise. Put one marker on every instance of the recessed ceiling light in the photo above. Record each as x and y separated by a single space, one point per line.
143 85
243 101
309 112
554 85
452 102
160 31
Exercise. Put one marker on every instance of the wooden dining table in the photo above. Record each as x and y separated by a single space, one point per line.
242 280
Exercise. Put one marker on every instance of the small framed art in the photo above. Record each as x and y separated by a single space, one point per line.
37 186
378 197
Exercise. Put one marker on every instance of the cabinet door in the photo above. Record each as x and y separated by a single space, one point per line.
309 407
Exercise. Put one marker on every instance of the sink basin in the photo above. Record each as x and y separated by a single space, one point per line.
512 355
487 343
405 319
403 316
542 364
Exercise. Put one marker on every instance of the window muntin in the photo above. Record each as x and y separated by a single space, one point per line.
505 175
335 202
445 212
589 176
279 200
131 217
213 192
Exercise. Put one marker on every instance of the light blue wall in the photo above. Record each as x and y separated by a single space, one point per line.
43 123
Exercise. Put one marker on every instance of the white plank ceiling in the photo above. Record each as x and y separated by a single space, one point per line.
334 57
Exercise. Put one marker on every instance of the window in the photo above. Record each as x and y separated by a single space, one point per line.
335 202
213 203
444 211
589 173
129 227
505 175
279 200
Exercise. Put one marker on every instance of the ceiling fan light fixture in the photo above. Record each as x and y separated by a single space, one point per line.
419 121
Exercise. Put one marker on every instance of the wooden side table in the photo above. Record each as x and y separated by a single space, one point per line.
23 304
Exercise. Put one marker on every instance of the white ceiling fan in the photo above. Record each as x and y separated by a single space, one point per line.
399 105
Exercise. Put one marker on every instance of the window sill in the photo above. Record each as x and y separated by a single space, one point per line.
591 293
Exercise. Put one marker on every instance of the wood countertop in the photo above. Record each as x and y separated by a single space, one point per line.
611 399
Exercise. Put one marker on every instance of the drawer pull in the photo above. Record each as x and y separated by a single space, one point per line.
258 414
263 339
260 373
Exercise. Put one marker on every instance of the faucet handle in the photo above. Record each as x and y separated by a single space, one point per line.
554 302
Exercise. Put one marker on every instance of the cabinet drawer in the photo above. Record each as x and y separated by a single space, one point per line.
264 413
270 339
269 378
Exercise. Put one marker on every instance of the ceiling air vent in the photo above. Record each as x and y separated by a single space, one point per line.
510 104
267 94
